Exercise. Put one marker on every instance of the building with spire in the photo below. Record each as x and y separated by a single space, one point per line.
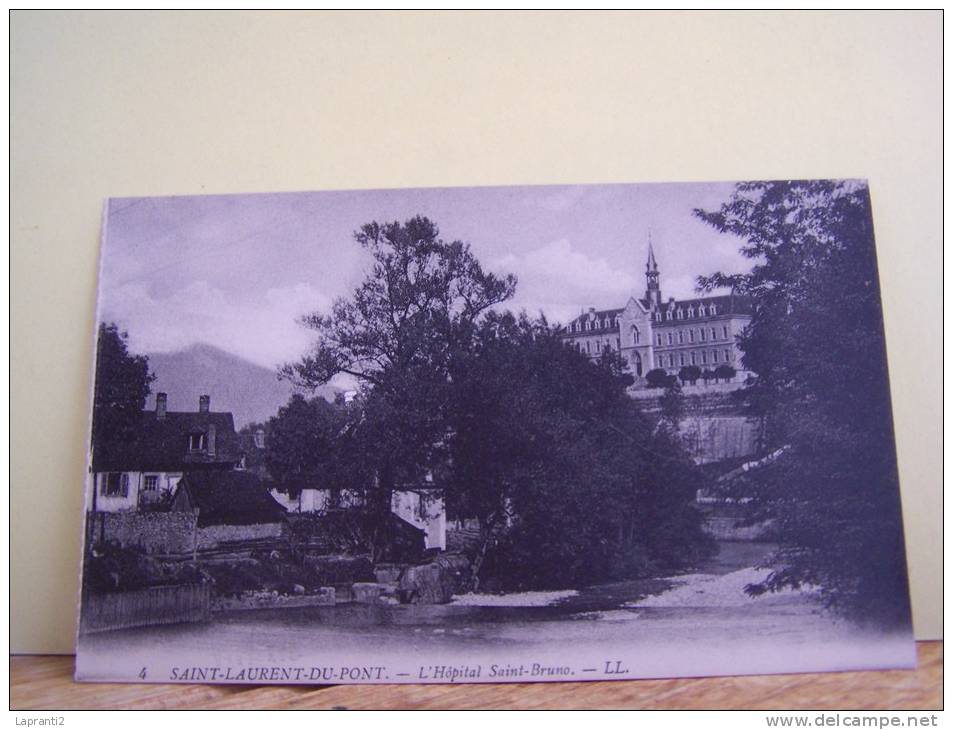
651 333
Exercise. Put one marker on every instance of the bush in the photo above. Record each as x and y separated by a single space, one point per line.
725 372
656 378
690 374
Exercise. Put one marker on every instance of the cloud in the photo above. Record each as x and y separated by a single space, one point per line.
560 280
264 331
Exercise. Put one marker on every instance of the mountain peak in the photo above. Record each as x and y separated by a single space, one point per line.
252 393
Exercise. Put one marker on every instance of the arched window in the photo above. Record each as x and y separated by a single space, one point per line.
678 313
712 310
658 316
714 336
658 339
691 312
670 340
701 333
714 355
637 363
668 315
725 331
588 325
671 361
727 355
701 310
704 357
691 335
681 337
681 358
693 359
636 335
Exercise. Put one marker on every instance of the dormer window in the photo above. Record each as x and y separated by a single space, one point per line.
711 310
701 310
668 314
197 442
691 312
679 314
260 438
658 316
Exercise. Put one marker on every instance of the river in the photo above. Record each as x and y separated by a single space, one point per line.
697 623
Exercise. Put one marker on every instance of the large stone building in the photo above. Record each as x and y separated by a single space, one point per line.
652 333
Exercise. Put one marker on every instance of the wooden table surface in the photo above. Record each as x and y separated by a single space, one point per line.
46 683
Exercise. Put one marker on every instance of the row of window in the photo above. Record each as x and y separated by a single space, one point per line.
590 325
680 313
116 484
597 348
702 357
682 336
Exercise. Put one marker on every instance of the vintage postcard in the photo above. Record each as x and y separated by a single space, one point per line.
549 433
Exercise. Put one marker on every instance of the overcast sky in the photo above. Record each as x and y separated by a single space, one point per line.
236 271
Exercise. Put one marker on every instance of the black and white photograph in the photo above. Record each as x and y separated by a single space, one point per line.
491 434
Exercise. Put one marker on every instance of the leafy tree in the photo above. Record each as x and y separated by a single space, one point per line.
656 378
834 492
302 440
569 480
690 374
725 372
122 385
397 334
673 405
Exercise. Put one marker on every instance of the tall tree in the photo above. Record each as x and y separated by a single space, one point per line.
569 481
122 384
397 334
816 344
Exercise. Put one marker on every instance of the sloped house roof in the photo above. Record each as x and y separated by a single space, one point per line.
227 498
172 441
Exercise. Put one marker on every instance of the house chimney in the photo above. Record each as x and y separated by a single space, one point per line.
211 439
161 403
204 403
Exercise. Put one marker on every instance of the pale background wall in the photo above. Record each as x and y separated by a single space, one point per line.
173 103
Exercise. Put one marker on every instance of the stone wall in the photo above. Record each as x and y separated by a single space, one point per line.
717 438
163 533
219 535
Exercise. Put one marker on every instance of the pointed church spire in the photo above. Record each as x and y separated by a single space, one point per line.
652 292
651 265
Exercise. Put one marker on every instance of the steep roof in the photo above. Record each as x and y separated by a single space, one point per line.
162 444
724 304
598 317
228 498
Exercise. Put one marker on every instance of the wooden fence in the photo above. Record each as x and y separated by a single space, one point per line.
146 607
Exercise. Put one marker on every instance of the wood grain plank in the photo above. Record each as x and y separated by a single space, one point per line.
46 683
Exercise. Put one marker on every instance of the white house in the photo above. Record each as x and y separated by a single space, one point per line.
141 471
